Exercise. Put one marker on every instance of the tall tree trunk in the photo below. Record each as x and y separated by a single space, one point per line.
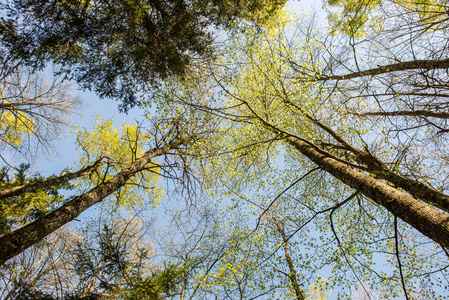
377 167
292 275
427 220
17 241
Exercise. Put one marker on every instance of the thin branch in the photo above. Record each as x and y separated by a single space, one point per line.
396 241
281 193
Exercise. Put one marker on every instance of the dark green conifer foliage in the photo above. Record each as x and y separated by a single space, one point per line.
19 210
114 47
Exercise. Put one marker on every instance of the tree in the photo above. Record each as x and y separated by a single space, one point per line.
278 107
292 274
117 47
130 168
33 111
402 92
108 257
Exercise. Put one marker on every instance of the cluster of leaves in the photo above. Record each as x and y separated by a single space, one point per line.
14 127
120 147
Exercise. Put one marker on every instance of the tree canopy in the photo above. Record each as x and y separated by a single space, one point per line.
116 48
300 162
296 103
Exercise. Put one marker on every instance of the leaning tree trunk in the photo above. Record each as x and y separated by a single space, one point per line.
377 167
17 241
427 220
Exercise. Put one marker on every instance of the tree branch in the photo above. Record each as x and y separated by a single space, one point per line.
43 184
401 66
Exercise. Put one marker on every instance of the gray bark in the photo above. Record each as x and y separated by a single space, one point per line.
429 221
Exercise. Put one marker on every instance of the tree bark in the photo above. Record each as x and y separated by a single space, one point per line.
43 184
401 66
377 167
427 220
292 276
414 113
416 189
17 241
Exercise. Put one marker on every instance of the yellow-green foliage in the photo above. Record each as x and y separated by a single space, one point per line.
14 127
121 146
266 78
319 291
265 90
264 93
353 15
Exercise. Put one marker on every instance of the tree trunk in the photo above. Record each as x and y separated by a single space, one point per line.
427 220
416 189
17 241
377 167
292 275
412 113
